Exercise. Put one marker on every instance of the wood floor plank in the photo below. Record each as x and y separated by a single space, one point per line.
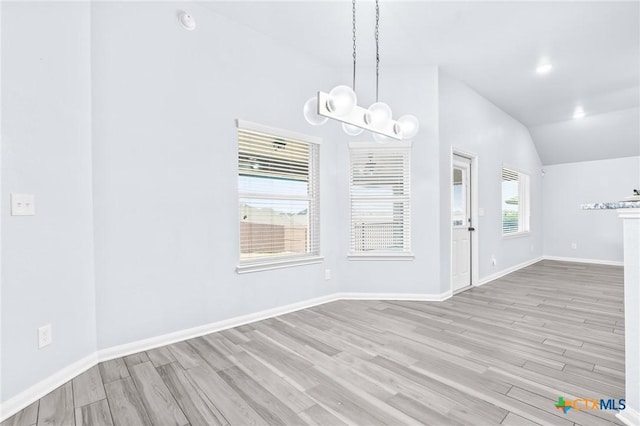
516 420
547 390
56 408
451 389
88 387
209 353
539 368
315 321
286 392
497 354
609 372
585 418
333 369
113 370
135 359
222 344
287 365
321 361
303 338
236 410
365 395
25 417
234 336
354 407
270 408
420 412
160 356
603 360
186 355
397 382
156 397
197 409
125 403
316 415
95 414
351 345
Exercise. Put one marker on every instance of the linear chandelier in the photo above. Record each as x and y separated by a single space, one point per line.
341 104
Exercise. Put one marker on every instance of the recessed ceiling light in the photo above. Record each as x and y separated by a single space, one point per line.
544 68
579 112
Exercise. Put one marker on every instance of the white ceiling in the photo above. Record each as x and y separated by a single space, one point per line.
493 47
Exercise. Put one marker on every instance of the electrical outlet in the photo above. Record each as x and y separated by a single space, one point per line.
574 246
44 336
493 261
22 205
327 274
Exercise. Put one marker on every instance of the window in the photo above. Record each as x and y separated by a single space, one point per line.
278 198
515 202
380 183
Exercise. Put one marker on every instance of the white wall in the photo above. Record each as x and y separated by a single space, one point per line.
165 102
47 259
596 233
141 124
1 197
407 91
471 123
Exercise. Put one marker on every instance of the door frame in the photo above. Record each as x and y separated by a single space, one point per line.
474 217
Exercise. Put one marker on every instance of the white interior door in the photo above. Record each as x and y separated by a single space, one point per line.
461 223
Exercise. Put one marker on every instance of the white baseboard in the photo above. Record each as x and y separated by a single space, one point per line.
40 389
507 271
190 333
178 336
37 391
418 297
578 260
30 395
629 417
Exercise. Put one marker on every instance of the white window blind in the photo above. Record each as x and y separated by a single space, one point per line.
380 192
278 196
515 202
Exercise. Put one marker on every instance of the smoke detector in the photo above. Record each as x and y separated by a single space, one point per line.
186 21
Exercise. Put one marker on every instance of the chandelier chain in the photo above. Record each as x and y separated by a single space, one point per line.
377 46
341 103
353 20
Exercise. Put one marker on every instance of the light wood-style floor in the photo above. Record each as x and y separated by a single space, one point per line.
498 354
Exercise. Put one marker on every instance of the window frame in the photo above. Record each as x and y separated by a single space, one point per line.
373 147
524 202
313 195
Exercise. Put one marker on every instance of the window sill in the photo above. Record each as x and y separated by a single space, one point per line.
277 264
381 256
516 234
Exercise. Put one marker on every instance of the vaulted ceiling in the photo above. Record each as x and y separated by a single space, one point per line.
494 47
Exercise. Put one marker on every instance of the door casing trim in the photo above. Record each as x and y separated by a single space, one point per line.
474 218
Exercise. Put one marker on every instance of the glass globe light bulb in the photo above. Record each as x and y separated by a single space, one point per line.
381 138
310 111
352 130
378 114
342 100
397 129
409 125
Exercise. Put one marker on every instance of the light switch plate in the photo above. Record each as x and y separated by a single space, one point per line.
480 211
44 336
22 205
